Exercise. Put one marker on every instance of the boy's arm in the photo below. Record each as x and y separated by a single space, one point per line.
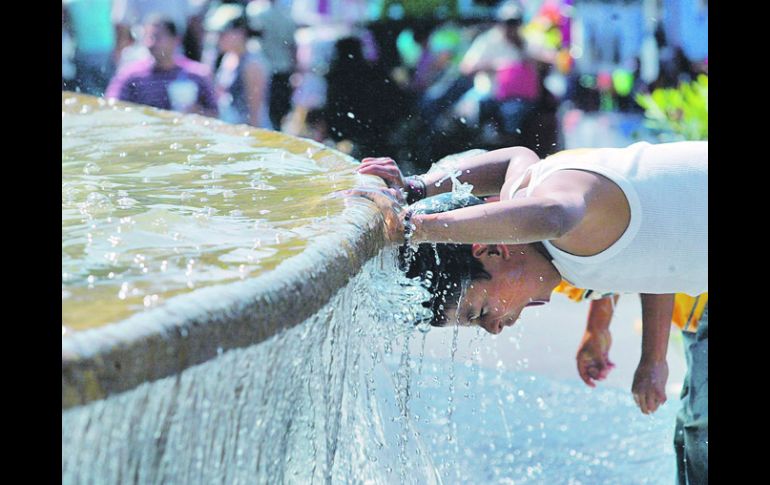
486 172
593 361
517 221
649 386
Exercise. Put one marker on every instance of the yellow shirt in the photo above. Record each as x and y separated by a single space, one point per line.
687 309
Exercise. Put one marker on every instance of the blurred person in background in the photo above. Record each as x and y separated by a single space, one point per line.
513 66
362 104
128 14
273 22
94 41
507 59
167 80
242 77
674 66
67 53
431 63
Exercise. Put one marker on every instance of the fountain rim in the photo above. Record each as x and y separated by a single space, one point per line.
192 328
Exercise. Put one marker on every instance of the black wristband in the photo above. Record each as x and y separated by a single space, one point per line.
415 189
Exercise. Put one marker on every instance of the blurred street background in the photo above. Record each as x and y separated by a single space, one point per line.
415 80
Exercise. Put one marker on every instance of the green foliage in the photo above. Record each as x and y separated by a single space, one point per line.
680 113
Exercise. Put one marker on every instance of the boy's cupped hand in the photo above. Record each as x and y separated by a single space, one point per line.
390 202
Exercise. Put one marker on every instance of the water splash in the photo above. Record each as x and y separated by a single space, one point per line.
461 191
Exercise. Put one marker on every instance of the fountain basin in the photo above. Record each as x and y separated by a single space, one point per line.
115 351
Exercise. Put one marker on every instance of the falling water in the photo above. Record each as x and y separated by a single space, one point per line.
313 404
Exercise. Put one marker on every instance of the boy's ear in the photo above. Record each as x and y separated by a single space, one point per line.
505 252
478 250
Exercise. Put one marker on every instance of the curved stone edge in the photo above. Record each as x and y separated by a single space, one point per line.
195 327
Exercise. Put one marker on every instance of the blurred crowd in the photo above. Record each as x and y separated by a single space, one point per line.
415 80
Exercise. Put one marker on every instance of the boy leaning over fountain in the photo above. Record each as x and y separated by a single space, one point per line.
630 220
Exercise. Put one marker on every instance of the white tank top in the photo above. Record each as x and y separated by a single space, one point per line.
665 247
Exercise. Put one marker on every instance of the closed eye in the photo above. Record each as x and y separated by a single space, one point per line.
471 317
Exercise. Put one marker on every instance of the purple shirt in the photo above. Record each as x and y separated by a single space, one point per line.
139 82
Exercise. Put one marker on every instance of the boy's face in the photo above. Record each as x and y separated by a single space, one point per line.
515 284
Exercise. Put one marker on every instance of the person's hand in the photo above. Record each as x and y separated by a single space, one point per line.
593 361
391 203
649 386
385 168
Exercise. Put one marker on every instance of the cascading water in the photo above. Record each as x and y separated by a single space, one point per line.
313 404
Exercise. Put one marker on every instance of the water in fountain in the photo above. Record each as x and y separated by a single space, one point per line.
156 204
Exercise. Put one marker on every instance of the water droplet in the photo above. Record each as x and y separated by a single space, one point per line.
91 168
127 202
150 300
124 289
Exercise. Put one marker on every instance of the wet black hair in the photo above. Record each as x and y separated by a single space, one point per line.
444 269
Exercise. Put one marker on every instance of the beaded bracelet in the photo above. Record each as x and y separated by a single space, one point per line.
408 226
415 189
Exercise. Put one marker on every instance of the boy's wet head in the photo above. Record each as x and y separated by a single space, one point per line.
481 284
478 284
446 270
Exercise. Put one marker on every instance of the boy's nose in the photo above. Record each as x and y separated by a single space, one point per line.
494 327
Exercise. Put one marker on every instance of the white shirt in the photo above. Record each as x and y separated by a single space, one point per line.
664 249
